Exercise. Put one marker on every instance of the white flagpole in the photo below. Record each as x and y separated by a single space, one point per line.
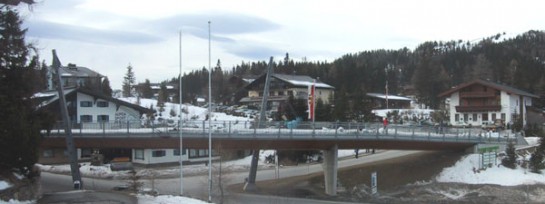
313 102
180 121
209 117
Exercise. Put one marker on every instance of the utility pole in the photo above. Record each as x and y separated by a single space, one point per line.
250 184
74 166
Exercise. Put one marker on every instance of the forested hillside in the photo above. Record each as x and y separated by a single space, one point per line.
426 71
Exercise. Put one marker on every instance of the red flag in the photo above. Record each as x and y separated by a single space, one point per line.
311 101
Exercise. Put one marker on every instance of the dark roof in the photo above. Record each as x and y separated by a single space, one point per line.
73 70
52 96
501 87
294 80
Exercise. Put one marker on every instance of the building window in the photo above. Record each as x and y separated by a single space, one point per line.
493 117
48 153
456 117
103 118
86 104
474 117
466 117
102 104
280 93
177 152
290 93
139 154
484 117
503 117
86 152
86 118
158 153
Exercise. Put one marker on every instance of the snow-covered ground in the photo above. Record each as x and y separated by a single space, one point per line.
465 171
193 112
462 172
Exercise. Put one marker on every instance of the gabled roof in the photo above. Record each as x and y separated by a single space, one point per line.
390 97
50 97
501 87
301 80
294 80
73 70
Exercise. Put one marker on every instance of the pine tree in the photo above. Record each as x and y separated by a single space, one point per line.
105 87
128 82
145 90
20 124
536 162
510 161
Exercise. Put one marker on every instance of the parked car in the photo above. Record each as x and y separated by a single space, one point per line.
461 123
496 125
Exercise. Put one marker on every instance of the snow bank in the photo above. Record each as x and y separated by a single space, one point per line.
167 199
4 185
532 141
463 172
11 201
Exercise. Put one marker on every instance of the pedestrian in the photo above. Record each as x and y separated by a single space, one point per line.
385 125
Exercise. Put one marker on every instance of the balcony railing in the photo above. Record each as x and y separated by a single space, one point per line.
476 94
483 108
279 130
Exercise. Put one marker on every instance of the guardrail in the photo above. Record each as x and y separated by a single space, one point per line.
277 130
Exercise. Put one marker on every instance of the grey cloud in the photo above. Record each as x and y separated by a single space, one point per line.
255 52
44 29
222 25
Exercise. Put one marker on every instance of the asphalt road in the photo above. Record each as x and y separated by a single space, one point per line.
197 186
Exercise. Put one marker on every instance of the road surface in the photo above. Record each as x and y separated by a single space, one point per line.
197 186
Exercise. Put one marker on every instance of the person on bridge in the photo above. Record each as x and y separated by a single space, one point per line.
385 125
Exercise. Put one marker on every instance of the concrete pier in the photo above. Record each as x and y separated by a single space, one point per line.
330 166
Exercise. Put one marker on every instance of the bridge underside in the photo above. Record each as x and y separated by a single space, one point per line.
291 144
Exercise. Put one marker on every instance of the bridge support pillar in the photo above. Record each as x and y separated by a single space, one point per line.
330 166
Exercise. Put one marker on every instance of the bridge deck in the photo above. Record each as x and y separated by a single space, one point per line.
234 135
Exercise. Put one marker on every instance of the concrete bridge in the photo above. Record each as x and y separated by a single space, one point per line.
328 137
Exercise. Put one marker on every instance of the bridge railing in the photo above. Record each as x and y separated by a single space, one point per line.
278 130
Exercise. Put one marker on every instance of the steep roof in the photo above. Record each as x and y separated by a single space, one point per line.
73 70
390 97
301 80
50 97
501 87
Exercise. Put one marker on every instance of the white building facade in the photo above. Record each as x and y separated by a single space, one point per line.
482 102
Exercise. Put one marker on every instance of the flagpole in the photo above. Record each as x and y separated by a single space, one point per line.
209 117
180 121
313 102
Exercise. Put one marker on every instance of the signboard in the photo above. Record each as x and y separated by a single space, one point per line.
374 183
488 156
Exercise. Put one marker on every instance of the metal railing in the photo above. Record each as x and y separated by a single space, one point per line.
278 130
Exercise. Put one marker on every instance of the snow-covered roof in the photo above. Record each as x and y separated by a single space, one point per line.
301 80
55 96
503 87
73 70
390 97
159 87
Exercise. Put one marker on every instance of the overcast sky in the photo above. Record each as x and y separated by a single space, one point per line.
108 35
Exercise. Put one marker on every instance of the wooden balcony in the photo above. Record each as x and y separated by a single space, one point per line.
484 108
480 94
